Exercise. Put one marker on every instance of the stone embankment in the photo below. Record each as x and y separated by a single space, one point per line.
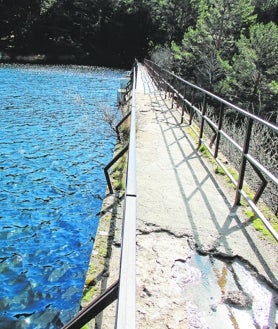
200 262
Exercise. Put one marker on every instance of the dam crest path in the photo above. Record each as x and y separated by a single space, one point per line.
196 253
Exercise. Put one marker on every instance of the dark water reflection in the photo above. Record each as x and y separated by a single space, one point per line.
53 146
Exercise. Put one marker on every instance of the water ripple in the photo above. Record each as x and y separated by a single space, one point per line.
53 146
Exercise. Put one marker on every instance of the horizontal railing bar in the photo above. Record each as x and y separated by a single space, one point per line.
260 215
123 120
123 289
249 201
126 308
251 159
110 164
95 307
126 312
211 123
174 85
131 173
197 110
248 156
238 109
237 146
232 179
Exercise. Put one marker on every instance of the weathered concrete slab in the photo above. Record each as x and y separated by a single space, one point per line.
182 205
183 208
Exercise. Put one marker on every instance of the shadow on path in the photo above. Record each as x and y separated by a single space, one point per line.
214 222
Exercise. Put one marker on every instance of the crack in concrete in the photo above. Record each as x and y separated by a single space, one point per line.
151 228
154 228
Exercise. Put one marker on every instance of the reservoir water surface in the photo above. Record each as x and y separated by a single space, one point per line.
54 144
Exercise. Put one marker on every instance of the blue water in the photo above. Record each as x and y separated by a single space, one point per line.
53 147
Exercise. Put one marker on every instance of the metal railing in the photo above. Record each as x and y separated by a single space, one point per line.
213 115
126 301
124 288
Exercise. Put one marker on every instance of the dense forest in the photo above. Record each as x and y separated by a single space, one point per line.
227 46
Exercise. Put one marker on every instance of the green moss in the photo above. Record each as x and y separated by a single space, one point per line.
205 152
259 225
220 171
118 173
120 186
250 214
89 294
234 173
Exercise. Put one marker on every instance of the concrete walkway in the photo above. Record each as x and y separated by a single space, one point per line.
183 207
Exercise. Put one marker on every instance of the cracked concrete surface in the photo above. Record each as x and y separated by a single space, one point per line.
181 205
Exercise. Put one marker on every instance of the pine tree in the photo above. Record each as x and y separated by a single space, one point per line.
207 48
255 70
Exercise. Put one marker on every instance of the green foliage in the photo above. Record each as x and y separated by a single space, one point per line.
228 52
255 69
106 32
220 171
208 46
273 86
177 52
46 5
206 153
267 10
118 173
259 226
16 23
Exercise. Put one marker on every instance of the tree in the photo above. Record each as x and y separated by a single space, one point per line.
16 22
267 10
255 70
131 31
72 28
175 17
207 48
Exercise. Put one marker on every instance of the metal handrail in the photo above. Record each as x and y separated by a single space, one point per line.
177 87
124 288
94 308
126 310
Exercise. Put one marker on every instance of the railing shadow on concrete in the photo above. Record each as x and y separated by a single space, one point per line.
209 111
123 289
223 227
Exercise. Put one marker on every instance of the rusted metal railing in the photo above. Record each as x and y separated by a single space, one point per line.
209 112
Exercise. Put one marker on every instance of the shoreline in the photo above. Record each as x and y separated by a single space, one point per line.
50 59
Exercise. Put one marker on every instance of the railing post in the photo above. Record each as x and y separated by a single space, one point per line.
95 307
221 112
126 308
173 92
258 165
204 108
110 164
243 160
191 106
261 187
167 78
120 123
183 104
